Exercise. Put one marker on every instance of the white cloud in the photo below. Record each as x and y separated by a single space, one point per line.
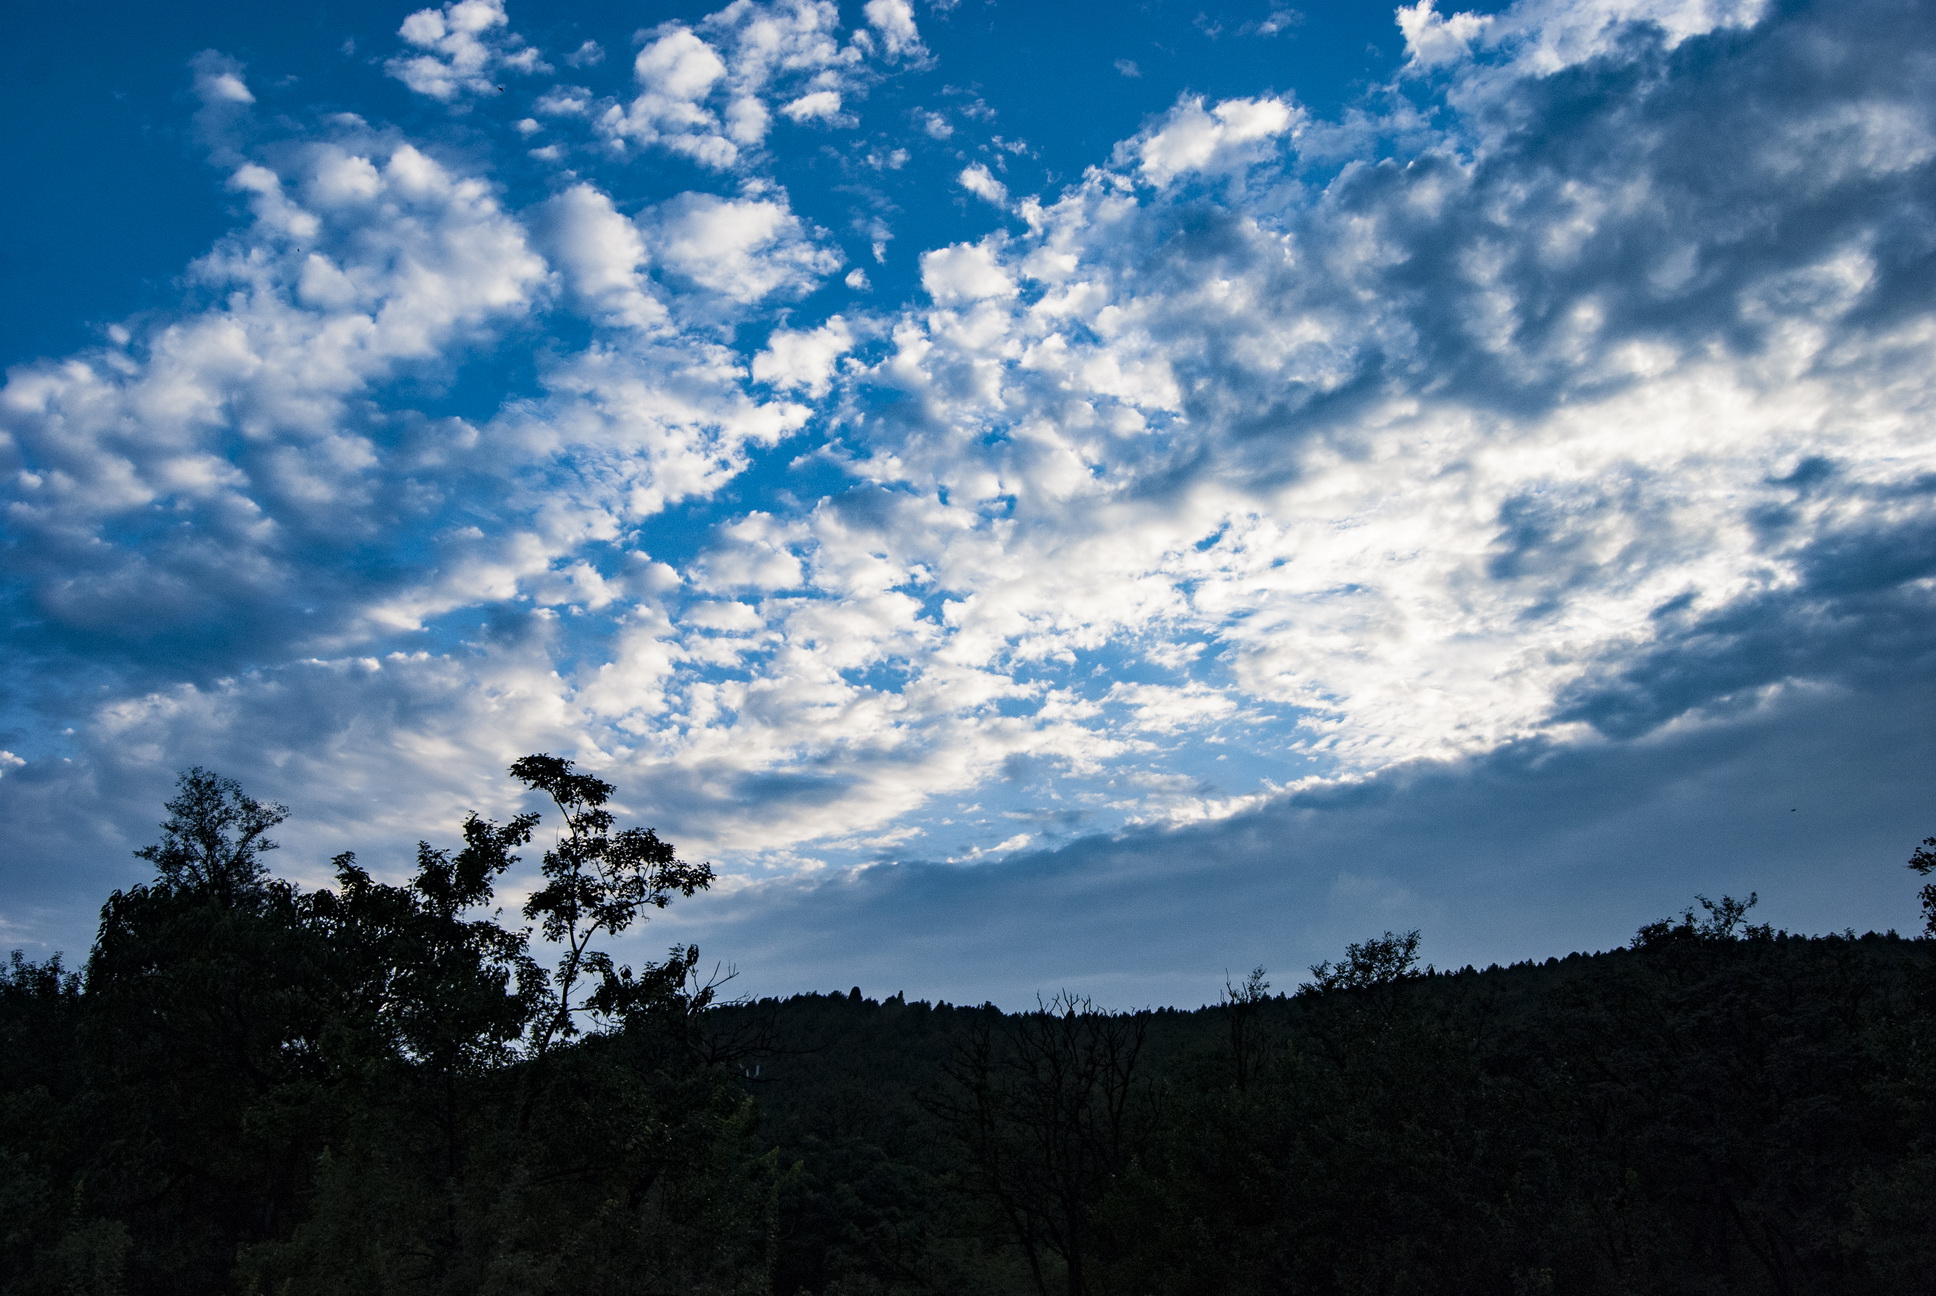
752 553
1277 21
676 72
743 249
894 20
803 359
603 255
358 263
225 98
710 91
1431 40
820 105
965 272
1170 708
251 423
463 50
979 181
621 433
1190 139
678 67
564 101
219 81
1540 37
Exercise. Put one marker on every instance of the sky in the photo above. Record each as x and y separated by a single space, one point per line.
1041 496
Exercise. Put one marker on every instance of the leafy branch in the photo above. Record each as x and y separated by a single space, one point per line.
597 881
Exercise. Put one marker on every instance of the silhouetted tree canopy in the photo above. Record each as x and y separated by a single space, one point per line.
387 1087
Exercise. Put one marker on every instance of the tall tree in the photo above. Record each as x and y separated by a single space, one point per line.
1050 1106
597 881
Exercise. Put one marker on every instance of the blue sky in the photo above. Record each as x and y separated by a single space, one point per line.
1040 495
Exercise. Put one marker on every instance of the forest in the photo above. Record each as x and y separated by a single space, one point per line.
252 1087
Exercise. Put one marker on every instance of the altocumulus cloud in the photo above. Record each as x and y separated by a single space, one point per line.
1553 423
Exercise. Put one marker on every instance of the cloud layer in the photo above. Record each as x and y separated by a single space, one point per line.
1572 389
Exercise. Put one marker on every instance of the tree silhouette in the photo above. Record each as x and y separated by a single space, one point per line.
596 881
1924 862
213 839
1050 1105
1376 961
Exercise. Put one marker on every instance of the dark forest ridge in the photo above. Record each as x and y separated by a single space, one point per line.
380 1088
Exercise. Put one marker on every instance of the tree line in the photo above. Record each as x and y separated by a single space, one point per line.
250 1087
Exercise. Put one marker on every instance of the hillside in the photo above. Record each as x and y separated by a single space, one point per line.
1712 1111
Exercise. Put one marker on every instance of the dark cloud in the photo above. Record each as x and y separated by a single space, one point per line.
1677 192
1532 850
1861 616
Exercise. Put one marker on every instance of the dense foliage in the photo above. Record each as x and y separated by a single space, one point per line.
381 1088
